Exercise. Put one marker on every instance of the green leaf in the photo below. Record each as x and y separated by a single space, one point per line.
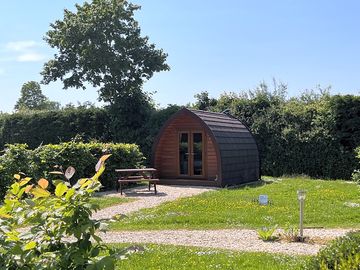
106 263
30 202
30 245
3 213
39 192
57 181
12 236
69 194
61 188
21 192
24 181
99 173
97 238
15 188
95 252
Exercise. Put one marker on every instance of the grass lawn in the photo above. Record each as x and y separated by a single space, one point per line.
104 202
327 205
174 257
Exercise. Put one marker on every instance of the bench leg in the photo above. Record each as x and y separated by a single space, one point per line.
149 185
120 188
155 188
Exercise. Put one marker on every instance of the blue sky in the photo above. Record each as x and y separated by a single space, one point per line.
218 46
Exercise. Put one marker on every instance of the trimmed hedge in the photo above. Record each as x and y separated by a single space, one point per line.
40 161
45 127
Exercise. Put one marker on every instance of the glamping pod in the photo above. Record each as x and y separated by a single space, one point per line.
205 148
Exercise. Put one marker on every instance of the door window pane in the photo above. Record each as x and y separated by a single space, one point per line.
184 153
197 154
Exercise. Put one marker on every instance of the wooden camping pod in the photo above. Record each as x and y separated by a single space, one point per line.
205 148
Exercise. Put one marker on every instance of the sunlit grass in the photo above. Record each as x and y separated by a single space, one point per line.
327 205
167 257
106 201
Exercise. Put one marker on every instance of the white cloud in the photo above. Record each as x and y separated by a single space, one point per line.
21 51
21 46
30 57
2 71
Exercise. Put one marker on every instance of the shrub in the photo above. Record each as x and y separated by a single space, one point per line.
290 233
267 233
60 233
15 158
356 174
40 161
342 253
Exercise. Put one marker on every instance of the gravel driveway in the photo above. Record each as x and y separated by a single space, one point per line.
239 240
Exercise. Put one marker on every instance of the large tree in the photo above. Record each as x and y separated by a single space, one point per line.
101 44
32 98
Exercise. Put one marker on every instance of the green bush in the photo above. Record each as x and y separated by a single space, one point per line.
356 174
342 253
40 161
60 233
14 159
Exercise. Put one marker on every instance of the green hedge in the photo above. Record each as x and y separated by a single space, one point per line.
44 127
312 134
40 161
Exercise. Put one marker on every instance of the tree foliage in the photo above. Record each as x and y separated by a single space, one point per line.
101 44
32 98
204 102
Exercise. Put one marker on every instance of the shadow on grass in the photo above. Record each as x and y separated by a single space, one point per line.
254 184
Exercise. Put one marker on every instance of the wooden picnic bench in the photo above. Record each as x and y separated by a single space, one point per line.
136 175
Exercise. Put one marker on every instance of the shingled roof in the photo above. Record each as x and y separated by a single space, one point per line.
237 148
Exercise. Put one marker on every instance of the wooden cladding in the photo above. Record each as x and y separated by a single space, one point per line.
200 147
167 151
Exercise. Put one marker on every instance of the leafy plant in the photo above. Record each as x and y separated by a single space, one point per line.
266 233
356 176
342 253
40 229
290 233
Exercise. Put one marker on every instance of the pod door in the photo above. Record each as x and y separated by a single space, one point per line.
191 154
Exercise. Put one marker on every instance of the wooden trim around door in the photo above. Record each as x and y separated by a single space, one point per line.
191 154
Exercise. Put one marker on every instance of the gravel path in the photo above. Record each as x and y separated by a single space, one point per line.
239 240
147 199
232 239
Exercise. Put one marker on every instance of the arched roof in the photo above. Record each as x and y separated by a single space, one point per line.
238 149
238 156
